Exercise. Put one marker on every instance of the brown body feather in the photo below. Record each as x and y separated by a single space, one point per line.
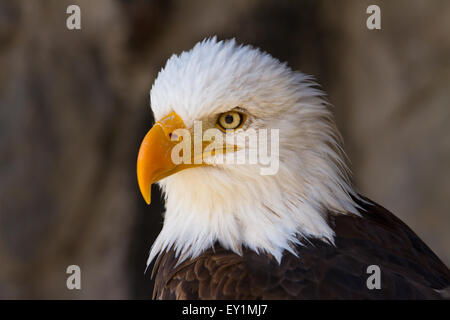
409 269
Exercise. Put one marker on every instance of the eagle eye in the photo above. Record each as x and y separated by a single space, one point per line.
230 120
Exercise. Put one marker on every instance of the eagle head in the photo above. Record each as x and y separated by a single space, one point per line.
217 105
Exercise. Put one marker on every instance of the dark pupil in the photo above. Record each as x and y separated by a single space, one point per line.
229 119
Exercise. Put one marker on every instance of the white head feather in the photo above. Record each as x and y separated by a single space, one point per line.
234 204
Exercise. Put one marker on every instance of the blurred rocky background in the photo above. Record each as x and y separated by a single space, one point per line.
74 106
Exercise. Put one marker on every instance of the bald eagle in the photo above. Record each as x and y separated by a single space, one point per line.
233 232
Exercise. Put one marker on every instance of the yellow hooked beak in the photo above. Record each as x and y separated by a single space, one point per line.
154 159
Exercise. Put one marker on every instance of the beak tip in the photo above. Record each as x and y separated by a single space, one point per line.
146 194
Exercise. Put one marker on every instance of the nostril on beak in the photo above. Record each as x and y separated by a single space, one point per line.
173 136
